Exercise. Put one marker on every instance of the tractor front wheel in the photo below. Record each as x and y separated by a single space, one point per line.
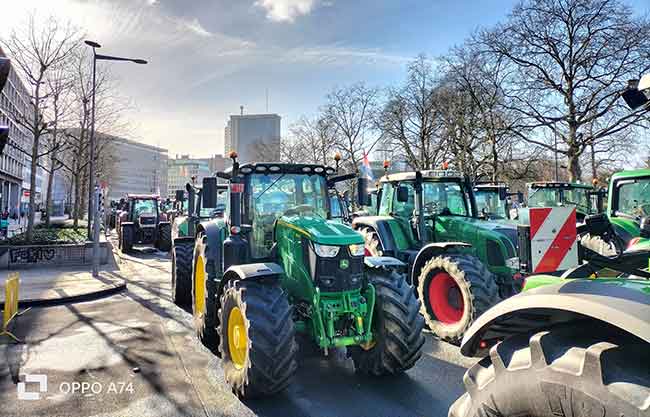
560 372
126 239
204 302
397 327
258 347
455 289
182 274
164 237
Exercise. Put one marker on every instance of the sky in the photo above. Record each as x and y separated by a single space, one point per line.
208 57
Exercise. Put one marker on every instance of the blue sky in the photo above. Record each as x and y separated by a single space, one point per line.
208 57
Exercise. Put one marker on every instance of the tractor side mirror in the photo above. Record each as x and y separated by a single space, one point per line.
209 192
363 198
402 194
503 193
645 227
520 197
180 195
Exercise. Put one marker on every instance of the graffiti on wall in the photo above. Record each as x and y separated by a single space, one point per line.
31 255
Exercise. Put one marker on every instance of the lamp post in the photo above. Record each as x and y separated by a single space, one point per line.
91 187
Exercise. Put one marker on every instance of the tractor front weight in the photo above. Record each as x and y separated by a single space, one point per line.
342 319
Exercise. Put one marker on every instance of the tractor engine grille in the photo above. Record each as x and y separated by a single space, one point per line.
147 221
148 235
332 274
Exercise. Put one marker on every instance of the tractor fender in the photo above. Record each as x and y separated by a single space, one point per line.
258 271
183 239
382 261
540 308
127 224
430 251
163 223
215 234
380 225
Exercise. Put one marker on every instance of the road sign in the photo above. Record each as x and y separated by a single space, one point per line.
553 239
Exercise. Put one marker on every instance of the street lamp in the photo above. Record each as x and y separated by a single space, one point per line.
96 56
91 188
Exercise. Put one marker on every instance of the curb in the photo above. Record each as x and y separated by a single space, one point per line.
88 296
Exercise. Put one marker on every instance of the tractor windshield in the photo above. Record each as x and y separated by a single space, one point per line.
489 203
555 197
439 198
273 195
141 207
634 197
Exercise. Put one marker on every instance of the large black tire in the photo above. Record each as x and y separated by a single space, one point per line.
204 295
182 274
397 326
568 372
126 238
164 237
454 290
268 360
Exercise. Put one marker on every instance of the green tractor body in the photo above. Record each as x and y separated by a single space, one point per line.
628 204
461 263
278 268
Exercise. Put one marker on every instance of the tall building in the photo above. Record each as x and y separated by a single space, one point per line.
255 137
136 168
14 100
181 170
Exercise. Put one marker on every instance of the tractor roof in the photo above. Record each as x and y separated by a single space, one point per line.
432 174
559 184
632 173
486 186
284 168
143 196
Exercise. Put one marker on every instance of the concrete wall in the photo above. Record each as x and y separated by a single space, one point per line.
47 256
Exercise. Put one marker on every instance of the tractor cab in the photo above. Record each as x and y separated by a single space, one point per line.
587 199
141 222
494 201
628 206
143 210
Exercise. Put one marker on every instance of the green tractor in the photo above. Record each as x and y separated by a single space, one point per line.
587 199
277 267
494 200
188 214
461 263
574 345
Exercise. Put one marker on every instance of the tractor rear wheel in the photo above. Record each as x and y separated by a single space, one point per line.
454 290
397 326
204 302
258 347
164 237
561 372
182 274
126 239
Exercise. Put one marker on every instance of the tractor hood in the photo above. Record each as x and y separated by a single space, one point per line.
504 227
319 230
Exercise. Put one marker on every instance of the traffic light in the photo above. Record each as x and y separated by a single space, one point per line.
5 65
4 138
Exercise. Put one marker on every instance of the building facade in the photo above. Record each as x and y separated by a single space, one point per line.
255 137
135 168
14 164
181 170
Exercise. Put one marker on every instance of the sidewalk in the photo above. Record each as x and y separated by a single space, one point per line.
50 286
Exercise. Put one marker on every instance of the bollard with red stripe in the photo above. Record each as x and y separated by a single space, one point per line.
553 239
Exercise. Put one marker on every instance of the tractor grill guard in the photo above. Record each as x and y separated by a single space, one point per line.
148 235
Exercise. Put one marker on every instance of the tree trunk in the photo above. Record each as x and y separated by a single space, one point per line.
48 201
34 163
575 171
77 200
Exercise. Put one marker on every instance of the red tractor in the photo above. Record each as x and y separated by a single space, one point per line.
141 222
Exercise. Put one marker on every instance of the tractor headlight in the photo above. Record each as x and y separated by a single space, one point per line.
326 251
357 249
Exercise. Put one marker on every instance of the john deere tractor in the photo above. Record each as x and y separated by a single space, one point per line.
574 345
140 222
461 262
276 267
189 213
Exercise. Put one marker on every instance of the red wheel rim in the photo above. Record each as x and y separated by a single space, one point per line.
446 299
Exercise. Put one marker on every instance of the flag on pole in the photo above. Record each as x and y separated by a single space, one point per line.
366 171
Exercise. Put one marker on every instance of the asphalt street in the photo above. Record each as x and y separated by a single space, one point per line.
135 354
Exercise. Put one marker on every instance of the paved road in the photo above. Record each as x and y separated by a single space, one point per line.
137 355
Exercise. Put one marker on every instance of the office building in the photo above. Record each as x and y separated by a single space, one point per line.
14 164
255 137
181 169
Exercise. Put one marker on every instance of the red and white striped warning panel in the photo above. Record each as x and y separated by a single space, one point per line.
553 239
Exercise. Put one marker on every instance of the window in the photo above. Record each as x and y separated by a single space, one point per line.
444 198
634 197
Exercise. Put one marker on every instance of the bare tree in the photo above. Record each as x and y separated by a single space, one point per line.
37 48
314 140
567 62
410 118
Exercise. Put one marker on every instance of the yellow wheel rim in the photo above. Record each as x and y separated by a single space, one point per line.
199 286
237 338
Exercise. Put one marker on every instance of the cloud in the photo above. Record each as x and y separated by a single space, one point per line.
196 27
287 10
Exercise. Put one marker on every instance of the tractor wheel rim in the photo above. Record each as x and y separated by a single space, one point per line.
199 286
237 338
446 299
